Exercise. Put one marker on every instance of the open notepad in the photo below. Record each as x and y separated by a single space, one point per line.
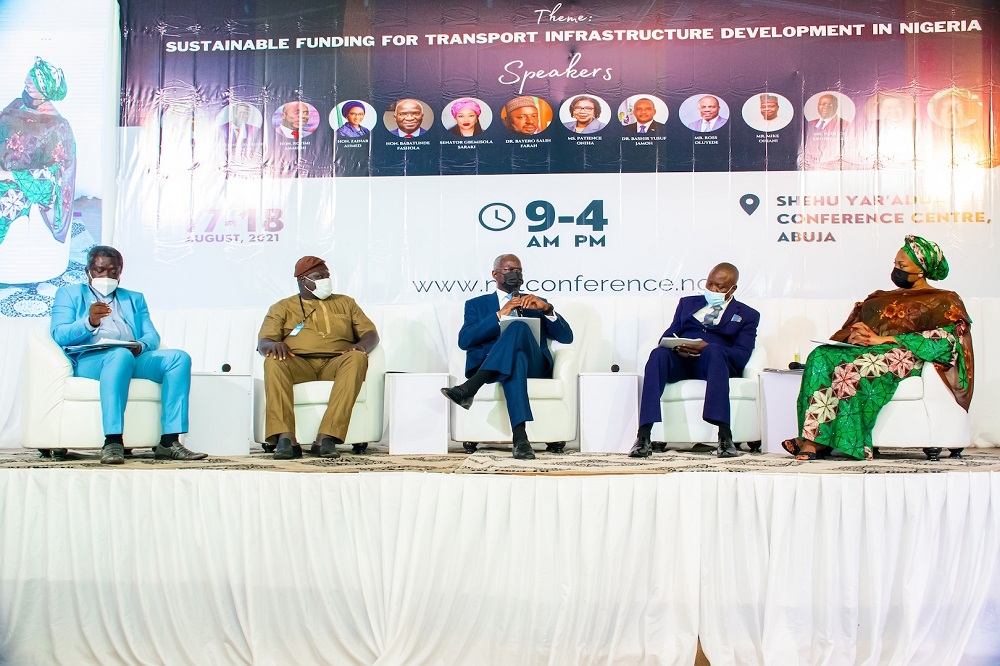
533 323
670 343
834 343
103 343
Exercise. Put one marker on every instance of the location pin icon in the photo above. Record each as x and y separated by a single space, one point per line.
749 203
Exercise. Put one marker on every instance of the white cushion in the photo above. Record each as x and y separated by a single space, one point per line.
911 388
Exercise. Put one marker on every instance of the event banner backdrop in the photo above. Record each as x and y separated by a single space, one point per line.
616 147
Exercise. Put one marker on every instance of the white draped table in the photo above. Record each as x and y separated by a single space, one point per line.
213 567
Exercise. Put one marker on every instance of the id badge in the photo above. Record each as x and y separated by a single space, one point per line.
295 331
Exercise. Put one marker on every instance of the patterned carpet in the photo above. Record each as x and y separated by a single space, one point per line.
499 461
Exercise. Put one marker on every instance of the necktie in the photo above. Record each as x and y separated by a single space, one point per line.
407 136
713 315
642 129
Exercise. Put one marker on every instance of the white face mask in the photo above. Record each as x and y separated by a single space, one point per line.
714 297
103 285
322 288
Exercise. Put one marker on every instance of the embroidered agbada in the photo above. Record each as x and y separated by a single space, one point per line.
844 388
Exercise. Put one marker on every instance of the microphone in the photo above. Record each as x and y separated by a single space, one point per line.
517 294
615 368
226 367
795 365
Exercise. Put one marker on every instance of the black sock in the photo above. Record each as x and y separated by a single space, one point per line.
113 439
645 430
725 431
168 439
336 440
519 431
476 381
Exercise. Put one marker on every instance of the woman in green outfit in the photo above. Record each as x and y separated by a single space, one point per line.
896 332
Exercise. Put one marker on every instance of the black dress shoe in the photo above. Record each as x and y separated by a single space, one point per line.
285 450
458 396
113 453
328 448
555 447
726 447
176 451
642 448
659 447
523 450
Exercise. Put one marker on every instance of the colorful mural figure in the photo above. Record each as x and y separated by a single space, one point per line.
37 180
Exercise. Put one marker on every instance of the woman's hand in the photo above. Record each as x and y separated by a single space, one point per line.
862 334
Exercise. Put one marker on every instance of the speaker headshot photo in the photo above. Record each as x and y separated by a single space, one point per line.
526 115
585 114
828 111
955 108
768 112
643 114
240 131
295 120
408 118
353 119
704 113
466 117
827 116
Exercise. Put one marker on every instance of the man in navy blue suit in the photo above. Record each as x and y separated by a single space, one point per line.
728 332
510 357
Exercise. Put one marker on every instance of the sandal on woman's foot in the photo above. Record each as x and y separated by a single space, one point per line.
805 455
794 448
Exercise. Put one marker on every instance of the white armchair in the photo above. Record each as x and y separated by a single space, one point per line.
923 414
61 411
554 402
311 399
682 404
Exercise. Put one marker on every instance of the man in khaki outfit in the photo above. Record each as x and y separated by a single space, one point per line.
315 335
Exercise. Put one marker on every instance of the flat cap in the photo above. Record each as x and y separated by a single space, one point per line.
306 264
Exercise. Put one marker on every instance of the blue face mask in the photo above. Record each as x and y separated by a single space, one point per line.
714 297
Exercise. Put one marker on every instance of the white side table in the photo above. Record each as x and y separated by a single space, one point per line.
220 420
779 389
418 413
609 411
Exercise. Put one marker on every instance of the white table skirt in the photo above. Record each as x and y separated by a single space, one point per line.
267 567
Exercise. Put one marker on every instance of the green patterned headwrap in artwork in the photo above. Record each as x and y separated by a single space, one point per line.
928 255
49 80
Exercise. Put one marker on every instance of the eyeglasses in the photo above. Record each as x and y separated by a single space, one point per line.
583 108
410 114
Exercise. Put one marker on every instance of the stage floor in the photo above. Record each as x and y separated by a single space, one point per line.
572 463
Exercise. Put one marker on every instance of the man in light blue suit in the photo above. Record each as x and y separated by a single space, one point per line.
83 314
510 357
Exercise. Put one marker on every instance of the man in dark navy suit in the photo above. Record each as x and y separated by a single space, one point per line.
728 332
510 357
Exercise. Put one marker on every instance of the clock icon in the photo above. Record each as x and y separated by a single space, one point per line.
497 216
